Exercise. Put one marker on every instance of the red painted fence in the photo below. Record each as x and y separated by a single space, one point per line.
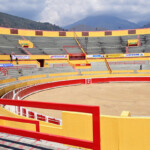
39 87
22 120
94 110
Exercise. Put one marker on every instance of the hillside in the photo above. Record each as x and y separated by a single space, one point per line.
102 22
10 21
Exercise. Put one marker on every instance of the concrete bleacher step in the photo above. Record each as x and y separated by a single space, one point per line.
111 45
2 75
13 142
52 45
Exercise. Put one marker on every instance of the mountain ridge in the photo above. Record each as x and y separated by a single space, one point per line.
10 21
105 22
90 23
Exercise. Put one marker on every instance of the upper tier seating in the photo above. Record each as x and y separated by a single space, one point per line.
104 45
2 76
28 70
113 44
60 68
9 44
53 45
129 65
60 45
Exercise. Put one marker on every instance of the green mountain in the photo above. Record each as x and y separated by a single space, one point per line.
11 21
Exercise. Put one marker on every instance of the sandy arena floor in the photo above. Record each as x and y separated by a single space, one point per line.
112 98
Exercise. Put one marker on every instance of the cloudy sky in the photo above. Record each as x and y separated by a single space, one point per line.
64 12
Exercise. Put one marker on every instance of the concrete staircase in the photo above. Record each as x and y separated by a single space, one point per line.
12 142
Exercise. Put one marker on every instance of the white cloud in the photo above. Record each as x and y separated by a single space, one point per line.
63 12
30 9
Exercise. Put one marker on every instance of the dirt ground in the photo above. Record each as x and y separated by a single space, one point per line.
112 98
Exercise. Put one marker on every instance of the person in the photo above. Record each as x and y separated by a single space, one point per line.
16 60
10 57
20 72
140 67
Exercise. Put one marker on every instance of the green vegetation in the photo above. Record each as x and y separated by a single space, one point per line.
10 21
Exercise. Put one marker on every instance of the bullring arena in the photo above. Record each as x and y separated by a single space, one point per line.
113 98
75 90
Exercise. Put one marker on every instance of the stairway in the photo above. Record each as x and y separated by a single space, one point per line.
12 142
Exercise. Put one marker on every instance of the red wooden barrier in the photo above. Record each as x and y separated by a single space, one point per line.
41 117
22 120
120 79
95 144
31 114
53 120
39 87
24 112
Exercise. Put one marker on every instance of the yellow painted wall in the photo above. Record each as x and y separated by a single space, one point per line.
32 77
78 34
22 32
51 33
134 133
70 34
4 30
48 60
120 33
143 71
34 57
82 67
96 34
75 125
4 112
27 126
94 72
7 80
46 64
57 61
113 55
128 59
95 60
146 54
122 71
117 133
109 133
143 31
28 63
21 62
78 61
4 57
63 74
